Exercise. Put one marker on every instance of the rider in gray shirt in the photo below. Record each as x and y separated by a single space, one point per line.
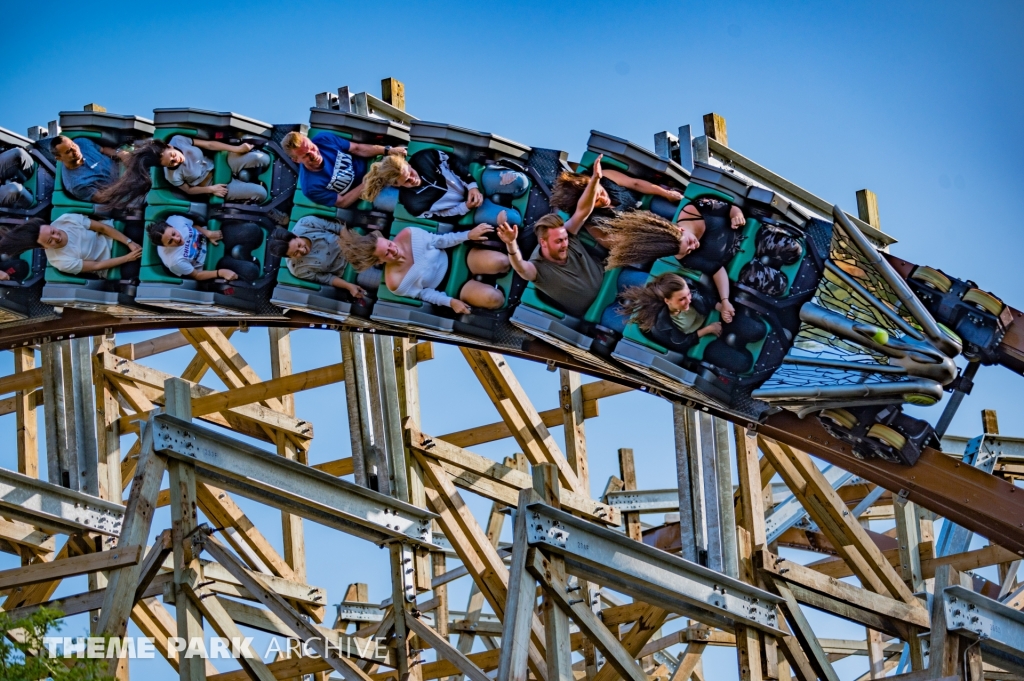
312 252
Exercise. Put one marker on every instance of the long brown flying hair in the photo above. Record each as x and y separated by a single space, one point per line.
644 303
639 237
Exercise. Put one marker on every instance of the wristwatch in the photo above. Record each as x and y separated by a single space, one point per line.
127 242
387 149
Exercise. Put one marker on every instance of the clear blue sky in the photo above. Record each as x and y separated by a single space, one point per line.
919 101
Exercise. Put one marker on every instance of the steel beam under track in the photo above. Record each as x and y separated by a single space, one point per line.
56 509
999 628
602 555
289 485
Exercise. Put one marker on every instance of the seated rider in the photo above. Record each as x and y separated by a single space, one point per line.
704 239
181 245
189 169
437 185
415 264
88 167
313 252
331 168
75 244
560 267
669 312
15 168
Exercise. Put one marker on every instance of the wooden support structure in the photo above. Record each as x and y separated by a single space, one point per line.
258 582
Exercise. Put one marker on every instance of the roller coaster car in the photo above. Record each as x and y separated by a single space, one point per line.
292 293
754 344
539 315
279 178
977 317
19 300
113 295
882 432
478 150
160 288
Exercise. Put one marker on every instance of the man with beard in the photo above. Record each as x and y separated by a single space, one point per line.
561 268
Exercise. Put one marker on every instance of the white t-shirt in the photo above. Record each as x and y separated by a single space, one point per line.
193 169
190 256
83 244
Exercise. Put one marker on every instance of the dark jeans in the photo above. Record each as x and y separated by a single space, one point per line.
16 268
15 168
134 230
240 240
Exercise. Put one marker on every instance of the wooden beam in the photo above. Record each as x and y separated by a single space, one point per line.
153 346
284 380
829 511
27 425
518 412
914 614
551 418
337 467
445 650
963 562
25 380
508 482
69 567
714 127
261 392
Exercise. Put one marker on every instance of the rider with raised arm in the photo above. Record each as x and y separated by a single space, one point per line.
561 267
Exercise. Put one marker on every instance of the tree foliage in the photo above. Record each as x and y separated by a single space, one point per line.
23 654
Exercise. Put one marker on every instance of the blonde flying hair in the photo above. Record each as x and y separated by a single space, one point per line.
292 141
639 237
359 249
384 173
645 303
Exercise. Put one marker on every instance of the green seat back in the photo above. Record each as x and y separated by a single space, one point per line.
605 296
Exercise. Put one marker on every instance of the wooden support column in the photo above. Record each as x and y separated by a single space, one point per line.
867 208
908 533
556 620
518 412
108 426
59 432
628 471
392 91
404 374
25 410
714 127
570 397
749 537
291 525
184 521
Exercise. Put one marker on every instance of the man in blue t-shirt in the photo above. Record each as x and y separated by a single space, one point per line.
88 167
331 167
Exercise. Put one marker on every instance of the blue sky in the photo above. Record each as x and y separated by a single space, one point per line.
920 102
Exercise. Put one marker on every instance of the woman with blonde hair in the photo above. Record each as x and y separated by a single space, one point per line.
416 265
435 184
